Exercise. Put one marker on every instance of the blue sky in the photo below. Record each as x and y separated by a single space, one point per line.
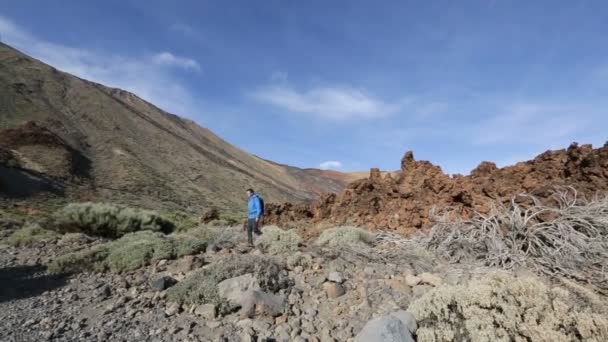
347 85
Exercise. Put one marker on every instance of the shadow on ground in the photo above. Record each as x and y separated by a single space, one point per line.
27 281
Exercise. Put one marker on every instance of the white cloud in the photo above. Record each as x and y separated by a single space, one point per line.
330 165
333 103
141 75
167 58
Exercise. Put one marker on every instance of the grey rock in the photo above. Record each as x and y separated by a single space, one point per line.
162 283
207 311
336 277
406 318
233 289
384 329
257 303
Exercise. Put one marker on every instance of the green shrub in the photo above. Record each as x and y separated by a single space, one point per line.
108 220
201 287
30 234
206 233
502 307
182 221
91 259
130 252
274 240
139 249
186 245
345 235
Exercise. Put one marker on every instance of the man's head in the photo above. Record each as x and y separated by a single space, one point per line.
249 192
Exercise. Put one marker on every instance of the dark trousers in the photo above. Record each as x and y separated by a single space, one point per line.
252 227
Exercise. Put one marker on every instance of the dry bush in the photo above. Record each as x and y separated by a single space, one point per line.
570 239
214 235
502 307
30 234
132 251
275 240
201 287
108 220
345 235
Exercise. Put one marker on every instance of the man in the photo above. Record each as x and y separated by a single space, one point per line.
255 214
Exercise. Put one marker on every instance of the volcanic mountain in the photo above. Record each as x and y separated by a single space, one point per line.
72 137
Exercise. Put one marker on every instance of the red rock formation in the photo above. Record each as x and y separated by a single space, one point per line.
403 203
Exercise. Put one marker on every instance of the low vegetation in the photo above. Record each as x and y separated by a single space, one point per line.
201 287
108 220
30 234
345 235
275 240
570 239
132 251
501 307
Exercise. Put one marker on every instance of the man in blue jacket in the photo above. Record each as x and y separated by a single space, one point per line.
255 214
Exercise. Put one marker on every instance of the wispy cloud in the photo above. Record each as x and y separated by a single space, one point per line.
167 58
142 75
330 165
332 102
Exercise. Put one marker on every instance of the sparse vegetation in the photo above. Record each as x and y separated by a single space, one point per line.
345 235
201 287
569 240
500 307
108 220
182 221
275 240
30 234
132 251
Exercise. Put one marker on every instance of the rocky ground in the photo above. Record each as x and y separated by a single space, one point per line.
333 294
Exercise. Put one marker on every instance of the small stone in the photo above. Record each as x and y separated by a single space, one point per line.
162 283
172 309
258 303
214 324
207 311
104 291
412 280
336 277
162 262
431 279
333 290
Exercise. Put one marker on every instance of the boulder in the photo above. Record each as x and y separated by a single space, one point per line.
233 289
406 318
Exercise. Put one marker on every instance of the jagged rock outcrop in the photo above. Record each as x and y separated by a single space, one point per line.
403 203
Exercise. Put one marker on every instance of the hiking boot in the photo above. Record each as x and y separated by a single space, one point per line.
258 232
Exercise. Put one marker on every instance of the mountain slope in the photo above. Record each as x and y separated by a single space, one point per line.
137 152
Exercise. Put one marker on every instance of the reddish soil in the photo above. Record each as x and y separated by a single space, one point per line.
403 202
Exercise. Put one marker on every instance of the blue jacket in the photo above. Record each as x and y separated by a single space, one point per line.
254 206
